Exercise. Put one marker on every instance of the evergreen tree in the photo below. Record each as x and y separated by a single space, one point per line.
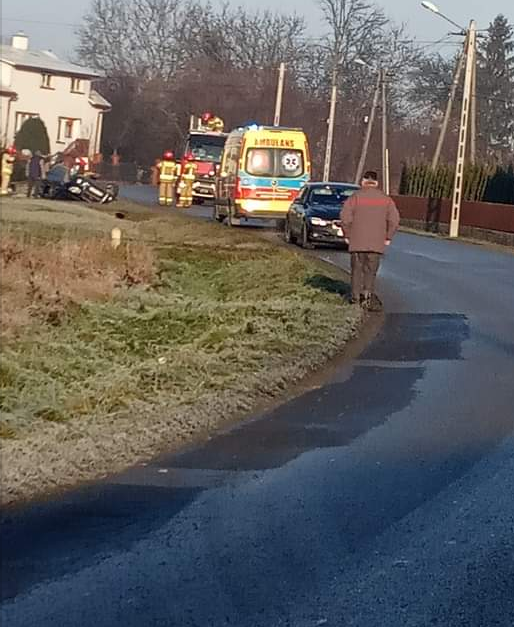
33 136
496 89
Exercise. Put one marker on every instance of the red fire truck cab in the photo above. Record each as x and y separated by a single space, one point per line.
206 147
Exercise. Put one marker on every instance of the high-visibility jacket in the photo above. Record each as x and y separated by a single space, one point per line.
216 124
190 170
168 172
7 164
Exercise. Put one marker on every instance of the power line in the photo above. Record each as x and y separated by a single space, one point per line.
23 21
306 39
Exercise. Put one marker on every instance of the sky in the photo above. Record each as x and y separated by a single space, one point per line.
50 24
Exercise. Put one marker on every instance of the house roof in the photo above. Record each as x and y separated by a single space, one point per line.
99 101
43 60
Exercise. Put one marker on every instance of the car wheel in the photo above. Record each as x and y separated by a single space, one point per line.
288 233
304 240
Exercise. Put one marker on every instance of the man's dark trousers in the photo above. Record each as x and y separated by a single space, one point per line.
365 267
33 187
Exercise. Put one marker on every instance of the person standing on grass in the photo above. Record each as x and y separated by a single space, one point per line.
369 220
34 174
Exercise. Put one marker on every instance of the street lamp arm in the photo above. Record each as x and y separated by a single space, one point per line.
430 6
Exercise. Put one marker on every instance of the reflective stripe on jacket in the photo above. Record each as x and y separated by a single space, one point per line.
168 171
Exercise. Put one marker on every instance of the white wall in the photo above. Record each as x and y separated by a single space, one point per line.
52 104
5 74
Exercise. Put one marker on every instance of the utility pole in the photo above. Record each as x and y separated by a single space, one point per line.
331 126
449 107
369 130
385 150
473 152
280 94
463 132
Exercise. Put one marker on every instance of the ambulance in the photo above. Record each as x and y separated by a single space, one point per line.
262 171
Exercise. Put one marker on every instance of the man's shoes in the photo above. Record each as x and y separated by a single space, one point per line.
372 303
368 302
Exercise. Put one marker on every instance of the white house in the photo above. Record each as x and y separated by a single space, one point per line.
39 84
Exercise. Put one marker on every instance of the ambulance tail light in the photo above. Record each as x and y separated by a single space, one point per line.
239 190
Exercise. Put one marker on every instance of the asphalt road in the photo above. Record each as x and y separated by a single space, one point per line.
383 498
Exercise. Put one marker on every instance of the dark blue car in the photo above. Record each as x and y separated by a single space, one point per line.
313 218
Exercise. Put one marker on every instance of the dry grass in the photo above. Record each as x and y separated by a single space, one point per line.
44 282
110 356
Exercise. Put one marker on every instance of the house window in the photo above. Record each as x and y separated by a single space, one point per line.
23 116
69 129
77 86
46 81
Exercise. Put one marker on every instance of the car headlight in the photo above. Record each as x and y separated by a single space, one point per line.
318 222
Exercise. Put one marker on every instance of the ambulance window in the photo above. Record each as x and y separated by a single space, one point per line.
232 159
290 163
259 162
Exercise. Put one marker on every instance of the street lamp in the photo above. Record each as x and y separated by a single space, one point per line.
468 107
430 6
363 63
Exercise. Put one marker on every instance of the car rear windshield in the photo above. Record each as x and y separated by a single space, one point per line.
331 194
275 163
208 149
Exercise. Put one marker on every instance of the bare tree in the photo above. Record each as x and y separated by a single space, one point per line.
166 59
143 38
353 25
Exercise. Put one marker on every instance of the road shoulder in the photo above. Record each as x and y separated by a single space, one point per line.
92 387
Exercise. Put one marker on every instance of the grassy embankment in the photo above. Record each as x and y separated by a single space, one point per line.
110 356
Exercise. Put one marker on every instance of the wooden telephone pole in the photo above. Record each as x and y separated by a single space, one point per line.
331 127
449 108
280 94
369 130
463 130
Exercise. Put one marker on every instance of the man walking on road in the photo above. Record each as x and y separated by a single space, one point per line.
369 220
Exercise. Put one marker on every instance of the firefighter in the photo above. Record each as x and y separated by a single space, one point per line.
213 122
167 179
8 159
187 181
216 124
155 172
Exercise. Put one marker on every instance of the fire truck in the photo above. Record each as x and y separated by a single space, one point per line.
206 147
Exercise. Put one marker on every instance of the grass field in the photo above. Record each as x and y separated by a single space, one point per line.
110 356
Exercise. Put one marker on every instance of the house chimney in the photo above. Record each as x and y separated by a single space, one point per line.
20 41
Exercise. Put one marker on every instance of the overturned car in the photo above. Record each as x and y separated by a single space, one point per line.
62 183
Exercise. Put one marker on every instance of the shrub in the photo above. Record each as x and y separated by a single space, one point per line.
33 136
